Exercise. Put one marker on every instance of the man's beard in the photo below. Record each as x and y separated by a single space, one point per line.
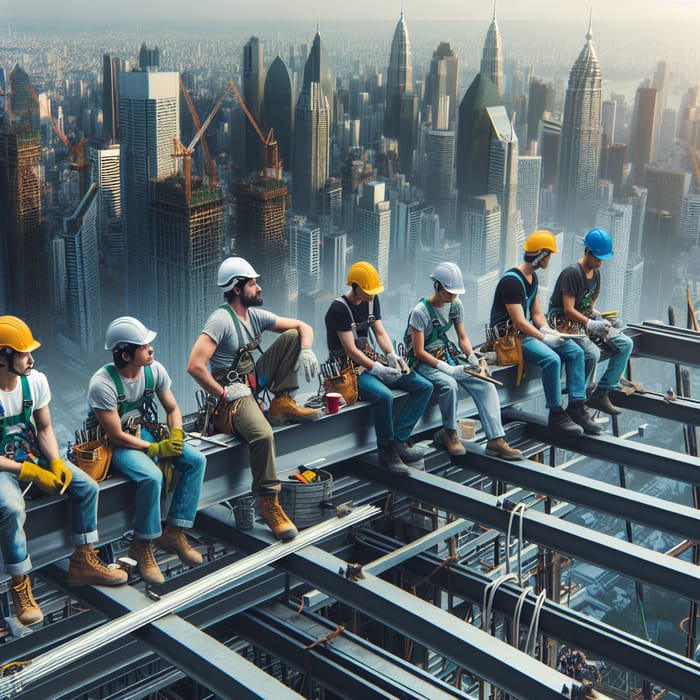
254 300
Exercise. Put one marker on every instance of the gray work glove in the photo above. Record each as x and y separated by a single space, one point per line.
385 374
473 361
599 327
456 371
308 361
236 391
397 362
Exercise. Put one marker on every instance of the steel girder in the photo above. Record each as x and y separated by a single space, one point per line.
488 658
611 553
681 410
608 448
666 668
574 488
666 343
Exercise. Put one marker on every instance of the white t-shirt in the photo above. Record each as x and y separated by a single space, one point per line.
39 387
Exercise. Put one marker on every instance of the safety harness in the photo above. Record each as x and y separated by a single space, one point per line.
18 438
362 342
533 294
243 367
438 344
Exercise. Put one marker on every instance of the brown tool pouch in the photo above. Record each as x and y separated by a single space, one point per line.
344 383
509 351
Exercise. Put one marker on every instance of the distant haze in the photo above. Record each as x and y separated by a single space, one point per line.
207 10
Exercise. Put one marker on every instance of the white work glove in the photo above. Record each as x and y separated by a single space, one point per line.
308 361
236 391
397 362
548 330
385 374
456 371
599 327
473 361
552 340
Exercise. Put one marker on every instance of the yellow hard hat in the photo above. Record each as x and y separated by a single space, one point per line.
540 240
15 334
366 277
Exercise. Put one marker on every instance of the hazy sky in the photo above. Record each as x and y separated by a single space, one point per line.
333 10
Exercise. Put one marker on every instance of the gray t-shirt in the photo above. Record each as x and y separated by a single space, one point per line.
219 327
421 321
102 393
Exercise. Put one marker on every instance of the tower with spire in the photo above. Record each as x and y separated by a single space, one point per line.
492 56
580 140
399 79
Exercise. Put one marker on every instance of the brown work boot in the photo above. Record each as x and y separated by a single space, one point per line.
599 400
175 541
500 448
448 439
87 569
283 409
273 514
26 609
142 551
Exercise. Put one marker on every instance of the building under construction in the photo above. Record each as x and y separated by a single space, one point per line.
466 579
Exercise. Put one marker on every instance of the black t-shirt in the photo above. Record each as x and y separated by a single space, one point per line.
510 290
338 319
573 282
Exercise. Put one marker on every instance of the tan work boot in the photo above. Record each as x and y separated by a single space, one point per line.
284 408
25 607
277 520
87 569
448 439
498 447
142 551
175 541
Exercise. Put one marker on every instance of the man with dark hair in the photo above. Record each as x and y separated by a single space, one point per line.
222 363
124 391
29 453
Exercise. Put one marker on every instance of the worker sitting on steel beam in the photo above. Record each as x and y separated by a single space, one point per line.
121 396
516 305
434 356
29 453
223 364
354 330
575 293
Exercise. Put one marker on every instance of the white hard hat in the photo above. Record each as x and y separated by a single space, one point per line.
127 330
449 276
233 269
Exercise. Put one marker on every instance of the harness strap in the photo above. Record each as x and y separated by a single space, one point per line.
242 348
26 415
528 299
143 404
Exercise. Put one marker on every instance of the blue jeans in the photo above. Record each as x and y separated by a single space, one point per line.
549 360
484 394
616 364
141 469
372 389
13 542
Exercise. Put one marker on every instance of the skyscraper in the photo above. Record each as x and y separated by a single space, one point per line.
149 59
312 132
616 219
540 100
442 81
253 77
305 255
373 227
149 120
529 170
482 234
278 113
580 140
22 109
492 56
440 151
111 67
643 131
399 77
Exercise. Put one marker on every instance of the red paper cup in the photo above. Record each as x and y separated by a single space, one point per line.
333 402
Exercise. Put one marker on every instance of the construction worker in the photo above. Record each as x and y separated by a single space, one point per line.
121 396
354 328
574 296
222 363
441 362
516 303
30 455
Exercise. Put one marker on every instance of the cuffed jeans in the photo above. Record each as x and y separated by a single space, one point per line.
549 360
372 389
13 543
141 469
484 394
616 363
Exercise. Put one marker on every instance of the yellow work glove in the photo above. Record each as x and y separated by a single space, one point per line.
62 473
170 447
177 434
43 478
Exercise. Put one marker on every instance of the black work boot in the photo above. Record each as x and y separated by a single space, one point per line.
578 413
390 460
559 420
599 400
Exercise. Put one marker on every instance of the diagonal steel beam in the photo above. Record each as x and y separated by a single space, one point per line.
666 343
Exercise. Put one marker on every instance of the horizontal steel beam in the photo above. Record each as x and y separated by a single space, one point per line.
664 667
680 410
642 456
575 488
485 656
666 343
609 552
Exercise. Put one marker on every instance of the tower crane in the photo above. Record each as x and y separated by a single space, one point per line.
209 162
78 150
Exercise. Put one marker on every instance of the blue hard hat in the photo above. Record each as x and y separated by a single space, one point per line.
599 243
